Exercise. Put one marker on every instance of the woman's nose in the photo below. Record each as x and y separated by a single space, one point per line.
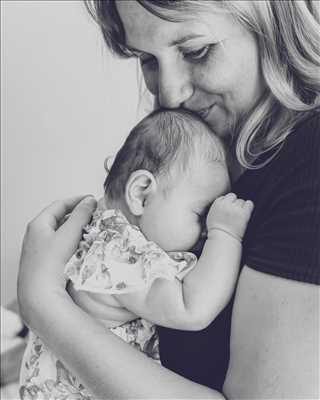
174 86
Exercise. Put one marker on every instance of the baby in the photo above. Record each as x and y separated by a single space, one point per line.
157 204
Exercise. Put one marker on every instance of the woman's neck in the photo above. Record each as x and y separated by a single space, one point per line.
235 168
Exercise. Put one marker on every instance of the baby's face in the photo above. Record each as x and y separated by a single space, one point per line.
175 220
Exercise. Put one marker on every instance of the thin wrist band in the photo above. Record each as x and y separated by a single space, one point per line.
238 238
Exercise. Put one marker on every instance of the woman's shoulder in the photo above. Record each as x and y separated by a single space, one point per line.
301 148
283 234
306 132
311 119
298 154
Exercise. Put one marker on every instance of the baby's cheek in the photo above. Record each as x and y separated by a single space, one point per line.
196 233
163 235
170 241
189 236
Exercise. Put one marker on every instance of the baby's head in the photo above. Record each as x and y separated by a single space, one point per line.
166 175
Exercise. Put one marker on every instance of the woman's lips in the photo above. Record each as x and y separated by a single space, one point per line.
204 112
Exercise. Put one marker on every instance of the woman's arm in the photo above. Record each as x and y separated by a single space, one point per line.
275 321
274 339
109 367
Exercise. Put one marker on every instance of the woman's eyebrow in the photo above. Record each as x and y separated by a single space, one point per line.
185 39
171 44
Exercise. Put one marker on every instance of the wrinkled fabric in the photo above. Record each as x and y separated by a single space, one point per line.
112 258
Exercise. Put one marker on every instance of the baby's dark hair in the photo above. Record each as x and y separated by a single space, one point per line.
162 139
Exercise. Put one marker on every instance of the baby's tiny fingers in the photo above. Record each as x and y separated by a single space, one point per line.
248 205
239 202
231 197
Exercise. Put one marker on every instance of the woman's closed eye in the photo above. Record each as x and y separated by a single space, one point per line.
197 55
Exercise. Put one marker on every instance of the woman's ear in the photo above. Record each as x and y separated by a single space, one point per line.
141 184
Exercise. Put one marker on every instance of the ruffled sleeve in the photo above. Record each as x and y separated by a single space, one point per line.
114 257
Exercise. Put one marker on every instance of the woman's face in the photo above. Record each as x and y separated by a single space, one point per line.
208 63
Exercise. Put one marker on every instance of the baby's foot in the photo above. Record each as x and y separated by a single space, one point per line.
230 214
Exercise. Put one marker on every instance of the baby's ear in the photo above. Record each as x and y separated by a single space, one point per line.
140 185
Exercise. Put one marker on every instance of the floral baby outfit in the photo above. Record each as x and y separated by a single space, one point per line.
113 258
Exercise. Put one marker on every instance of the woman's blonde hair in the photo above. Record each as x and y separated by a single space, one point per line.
288 35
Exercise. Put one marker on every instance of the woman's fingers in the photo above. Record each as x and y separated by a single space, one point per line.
46 249
69 233
53 214
80 215
43 245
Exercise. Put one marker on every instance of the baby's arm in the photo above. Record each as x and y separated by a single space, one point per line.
102 306
206 290
209 286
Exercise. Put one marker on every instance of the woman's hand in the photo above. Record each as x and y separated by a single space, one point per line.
49 242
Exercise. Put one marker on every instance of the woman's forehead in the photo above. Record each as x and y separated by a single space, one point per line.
142 27
140 24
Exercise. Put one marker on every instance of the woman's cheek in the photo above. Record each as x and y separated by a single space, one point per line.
211 80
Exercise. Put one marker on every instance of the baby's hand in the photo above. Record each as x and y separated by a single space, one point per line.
229 214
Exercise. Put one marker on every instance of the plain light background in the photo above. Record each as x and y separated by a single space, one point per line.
67 103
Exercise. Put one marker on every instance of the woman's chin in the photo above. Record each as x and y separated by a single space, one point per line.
220 128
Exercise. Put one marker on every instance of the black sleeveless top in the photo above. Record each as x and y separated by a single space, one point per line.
282 239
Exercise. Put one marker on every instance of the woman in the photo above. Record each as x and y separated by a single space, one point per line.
251 71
